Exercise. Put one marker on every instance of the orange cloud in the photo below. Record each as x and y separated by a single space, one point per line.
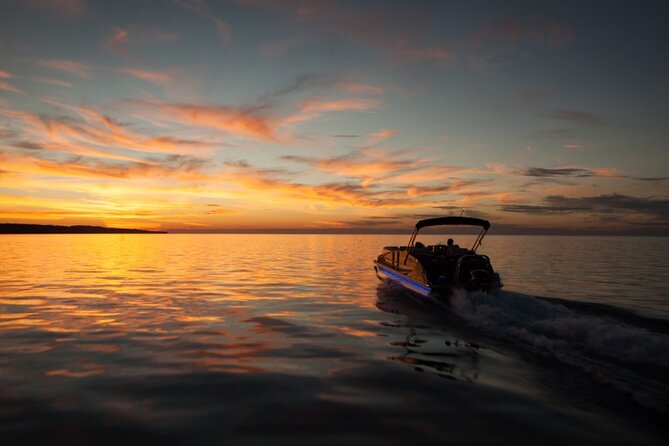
118 40
75 68
99 135
156 77
355 88
5 75
381 135
315 107
247 122
8 87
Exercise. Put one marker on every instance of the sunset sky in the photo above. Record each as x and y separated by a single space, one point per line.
246 115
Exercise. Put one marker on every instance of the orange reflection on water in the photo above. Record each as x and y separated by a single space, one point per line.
175 302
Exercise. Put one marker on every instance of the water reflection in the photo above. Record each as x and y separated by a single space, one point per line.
431 344
190 338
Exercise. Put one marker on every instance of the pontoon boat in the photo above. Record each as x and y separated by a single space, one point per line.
438 269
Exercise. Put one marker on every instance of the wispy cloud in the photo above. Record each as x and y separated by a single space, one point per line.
315 107
575 117
55 82
96 135
511 30
75 68
245 121
358 88
6 86
657 208
68 7
201 8
284 46
124 40
576 172
161 78
118 41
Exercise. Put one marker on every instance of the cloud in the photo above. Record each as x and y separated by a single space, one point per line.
118 41
377 166
357 88
651 179
657 208
381 135
315 107
245 121
96 135
575 117
282 47
5 75
561 172
127 38
575 172
300 84
201 8
511 30
400 33
355 164
6 86
55 82
161 78
333 193
68 7
573 146
75 68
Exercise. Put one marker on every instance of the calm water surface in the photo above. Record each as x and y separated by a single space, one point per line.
202 339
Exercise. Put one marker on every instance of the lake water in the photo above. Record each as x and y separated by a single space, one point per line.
252 339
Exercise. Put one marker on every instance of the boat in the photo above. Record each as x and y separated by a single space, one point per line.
437 270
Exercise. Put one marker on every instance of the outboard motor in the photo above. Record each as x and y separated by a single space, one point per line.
479 279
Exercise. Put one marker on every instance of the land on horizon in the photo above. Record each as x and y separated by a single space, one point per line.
18 228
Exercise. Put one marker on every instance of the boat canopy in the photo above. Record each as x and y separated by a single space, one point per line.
466 221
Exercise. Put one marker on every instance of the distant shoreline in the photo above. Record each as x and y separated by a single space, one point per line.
18 228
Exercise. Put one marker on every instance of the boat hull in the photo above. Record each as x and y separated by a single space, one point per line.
385 273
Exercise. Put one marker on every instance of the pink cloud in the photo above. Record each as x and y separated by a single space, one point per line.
314 107
5 75
381 135
356 88
125 38
75 68
6 86
47 81
118 41
242 121
201 8
69 7
161 78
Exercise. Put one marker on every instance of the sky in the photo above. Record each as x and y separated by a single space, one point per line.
335 116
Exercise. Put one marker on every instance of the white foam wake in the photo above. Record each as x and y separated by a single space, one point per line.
605 348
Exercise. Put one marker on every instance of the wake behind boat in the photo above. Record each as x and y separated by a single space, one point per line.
438 269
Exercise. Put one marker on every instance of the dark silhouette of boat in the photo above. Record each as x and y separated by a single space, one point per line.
438 269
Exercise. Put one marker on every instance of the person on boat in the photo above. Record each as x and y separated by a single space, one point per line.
451 248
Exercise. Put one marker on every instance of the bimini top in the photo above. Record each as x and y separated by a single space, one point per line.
467 221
